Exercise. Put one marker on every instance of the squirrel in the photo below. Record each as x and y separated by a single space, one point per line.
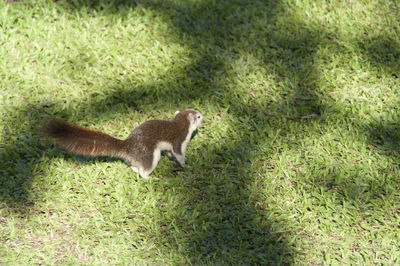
141 149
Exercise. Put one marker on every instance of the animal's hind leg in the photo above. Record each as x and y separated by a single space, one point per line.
145 172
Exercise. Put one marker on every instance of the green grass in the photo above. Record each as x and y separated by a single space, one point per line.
297 162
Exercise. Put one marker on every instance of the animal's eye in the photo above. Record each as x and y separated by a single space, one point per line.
198 117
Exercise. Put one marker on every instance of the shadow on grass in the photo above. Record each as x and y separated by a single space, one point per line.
383 53
21 160
232 227
386 136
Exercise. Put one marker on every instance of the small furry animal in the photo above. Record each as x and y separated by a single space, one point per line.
141 150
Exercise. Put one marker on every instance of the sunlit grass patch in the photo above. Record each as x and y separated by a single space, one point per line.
296 163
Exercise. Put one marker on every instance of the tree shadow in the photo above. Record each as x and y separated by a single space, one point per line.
21 160
385 135
383 53
233 228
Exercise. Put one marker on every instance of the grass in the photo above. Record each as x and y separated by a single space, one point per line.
297 162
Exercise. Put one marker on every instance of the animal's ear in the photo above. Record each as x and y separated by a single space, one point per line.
177 112
191 118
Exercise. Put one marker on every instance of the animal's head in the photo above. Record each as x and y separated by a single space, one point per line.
193 116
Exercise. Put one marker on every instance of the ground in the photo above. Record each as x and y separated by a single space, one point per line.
297 161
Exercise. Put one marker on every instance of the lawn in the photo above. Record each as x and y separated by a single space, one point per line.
297 161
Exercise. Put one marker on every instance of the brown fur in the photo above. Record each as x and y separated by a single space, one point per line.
138 149
81 140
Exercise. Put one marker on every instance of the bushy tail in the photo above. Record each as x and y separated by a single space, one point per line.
82 141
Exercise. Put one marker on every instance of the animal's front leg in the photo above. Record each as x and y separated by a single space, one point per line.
181 160
170 155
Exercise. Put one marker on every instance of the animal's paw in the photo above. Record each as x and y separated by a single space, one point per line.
148 178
